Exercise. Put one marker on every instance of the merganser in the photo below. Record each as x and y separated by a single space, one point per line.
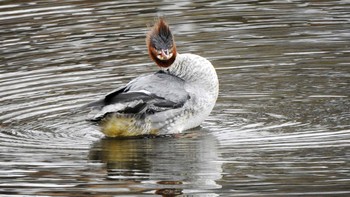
176 98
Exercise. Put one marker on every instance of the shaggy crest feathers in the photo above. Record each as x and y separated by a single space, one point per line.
160 38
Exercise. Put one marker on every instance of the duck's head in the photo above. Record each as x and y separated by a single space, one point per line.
161 44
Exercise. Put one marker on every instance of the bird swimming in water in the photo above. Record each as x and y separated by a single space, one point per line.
176 98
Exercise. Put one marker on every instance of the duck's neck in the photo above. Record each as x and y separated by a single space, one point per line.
191 67
195 70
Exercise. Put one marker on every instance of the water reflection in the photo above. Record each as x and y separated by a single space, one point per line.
280 126
165 164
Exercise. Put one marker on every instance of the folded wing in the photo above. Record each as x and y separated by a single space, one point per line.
148 94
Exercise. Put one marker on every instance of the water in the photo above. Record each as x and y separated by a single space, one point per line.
281 126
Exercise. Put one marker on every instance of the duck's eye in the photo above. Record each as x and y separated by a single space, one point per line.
156 48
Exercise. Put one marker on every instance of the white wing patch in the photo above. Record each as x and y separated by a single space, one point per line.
96 114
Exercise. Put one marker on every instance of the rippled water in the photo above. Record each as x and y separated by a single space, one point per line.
281 126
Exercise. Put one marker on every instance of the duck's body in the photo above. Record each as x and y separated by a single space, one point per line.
176 98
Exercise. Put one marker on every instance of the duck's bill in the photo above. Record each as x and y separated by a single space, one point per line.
164 54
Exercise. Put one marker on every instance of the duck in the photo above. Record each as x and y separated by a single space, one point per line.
179 96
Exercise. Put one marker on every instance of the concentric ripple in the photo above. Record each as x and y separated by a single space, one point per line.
281 126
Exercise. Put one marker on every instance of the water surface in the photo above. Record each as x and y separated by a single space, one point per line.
280 126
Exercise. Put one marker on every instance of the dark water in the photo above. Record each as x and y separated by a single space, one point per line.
281 126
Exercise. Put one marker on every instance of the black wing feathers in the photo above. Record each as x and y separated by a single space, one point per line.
153 93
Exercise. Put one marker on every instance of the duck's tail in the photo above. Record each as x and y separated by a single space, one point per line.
122 125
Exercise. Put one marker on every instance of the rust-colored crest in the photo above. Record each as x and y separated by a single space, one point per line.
160 38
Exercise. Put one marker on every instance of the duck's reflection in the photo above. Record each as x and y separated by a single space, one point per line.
167 165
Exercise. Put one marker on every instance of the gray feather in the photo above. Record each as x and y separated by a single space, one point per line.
148 94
